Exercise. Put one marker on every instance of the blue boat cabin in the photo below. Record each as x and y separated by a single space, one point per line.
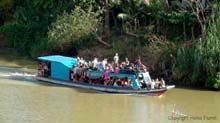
60 66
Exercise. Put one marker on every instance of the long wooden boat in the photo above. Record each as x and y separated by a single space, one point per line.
60 70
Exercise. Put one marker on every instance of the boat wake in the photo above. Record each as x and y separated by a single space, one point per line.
22 76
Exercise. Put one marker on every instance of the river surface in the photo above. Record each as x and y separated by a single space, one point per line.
26 100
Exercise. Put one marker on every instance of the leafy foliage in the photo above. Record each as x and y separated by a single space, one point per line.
71 27
213 81
6 11
202 61
32 18
176 17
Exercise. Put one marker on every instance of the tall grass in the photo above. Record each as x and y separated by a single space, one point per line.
201 61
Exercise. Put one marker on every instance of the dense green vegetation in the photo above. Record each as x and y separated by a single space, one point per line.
178 41
28 32
72 27
201 61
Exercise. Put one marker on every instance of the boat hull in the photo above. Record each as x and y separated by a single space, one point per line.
107 89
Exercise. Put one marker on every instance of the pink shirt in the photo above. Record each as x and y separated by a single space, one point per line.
117 70
106 74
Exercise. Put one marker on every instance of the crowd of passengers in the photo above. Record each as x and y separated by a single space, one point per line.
81 72
154 84
43 69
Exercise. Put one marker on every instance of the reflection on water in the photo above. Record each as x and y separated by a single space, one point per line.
25 100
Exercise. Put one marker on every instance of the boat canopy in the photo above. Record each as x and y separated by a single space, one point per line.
60 66
66 61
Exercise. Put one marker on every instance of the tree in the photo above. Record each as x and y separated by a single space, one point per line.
69 28
6 11
27 32
106 20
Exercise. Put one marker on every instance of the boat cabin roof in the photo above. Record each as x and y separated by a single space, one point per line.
67 61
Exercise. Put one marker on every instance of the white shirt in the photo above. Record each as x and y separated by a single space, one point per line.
104 62
95 61
116 58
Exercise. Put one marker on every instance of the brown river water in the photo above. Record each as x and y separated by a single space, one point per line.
26 100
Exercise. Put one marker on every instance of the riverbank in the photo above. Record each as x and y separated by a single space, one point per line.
10 58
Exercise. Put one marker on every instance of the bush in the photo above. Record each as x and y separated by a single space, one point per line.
28 32
14 34
40 48
213 81
201 59
24 37
69 28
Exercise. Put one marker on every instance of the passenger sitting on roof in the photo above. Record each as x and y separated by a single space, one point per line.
100 66
94 62
143 68
122 65
116 58
109 66
127 63
82 61
138 61
104 62
116 69
129 69
78 61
